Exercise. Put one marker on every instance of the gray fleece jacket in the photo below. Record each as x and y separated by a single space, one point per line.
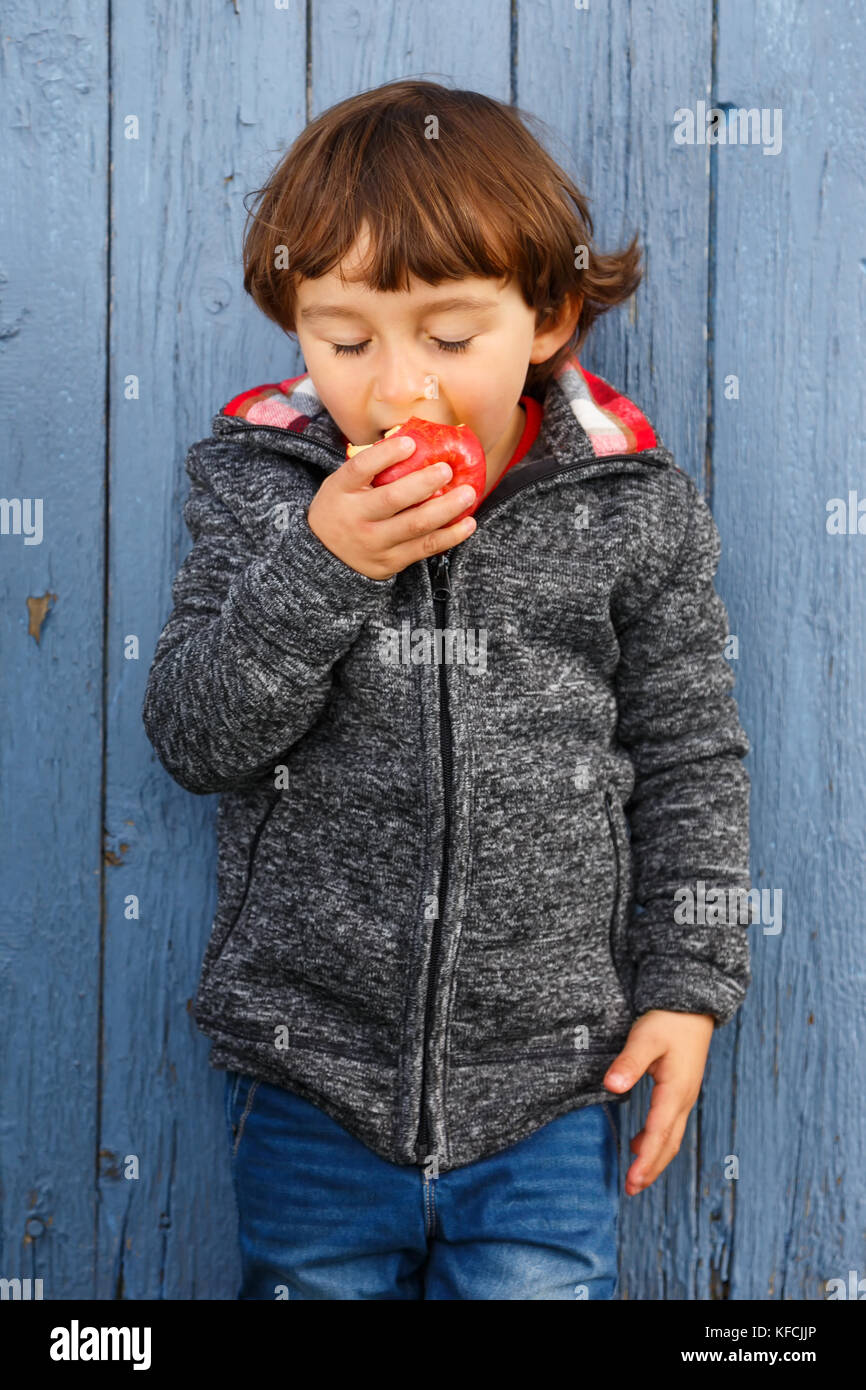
463 810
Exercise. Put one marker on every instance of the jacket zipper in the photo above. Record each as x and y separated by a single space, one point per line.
441 594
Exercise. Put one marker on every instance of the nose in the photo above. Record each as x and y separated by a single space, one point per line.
400 381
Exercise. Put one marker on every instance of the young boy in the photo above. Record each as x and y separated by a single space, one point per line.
478 780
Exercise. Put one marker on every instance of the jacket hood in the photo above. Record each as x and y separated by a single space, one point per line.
585 418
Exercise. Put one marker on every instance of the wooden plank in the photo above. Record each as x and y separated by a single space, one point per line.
53 330
789 275
216 90
608 100
356 47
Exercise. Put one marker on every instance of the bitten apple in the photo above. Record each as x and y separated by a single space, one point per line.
455 445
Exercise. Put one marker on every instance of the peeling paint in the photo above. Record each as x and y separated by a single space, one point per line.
109 1164
38 608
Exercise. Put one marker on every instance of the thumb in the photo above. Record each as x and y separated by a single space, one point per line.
628 1067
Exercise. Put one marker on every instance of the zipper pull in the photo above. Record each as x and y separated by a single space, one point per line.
442 577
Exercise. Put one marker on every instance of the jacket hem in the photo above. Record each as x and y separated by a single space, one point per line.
230 1053
495 1146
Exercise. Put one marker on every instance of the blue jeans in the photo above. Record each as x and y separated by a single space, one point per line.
324 1217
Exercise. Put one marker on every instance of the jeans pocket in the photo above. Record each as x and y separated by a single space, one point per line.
240 1093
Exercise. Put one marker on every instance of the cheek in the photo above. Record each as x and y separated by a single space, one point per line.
503 369
487 400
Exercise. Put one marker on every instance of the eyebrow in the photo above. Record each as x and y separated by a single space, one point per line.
438 306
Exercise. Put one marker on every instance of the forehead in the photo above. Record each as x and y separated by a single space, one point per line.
470 293
343 288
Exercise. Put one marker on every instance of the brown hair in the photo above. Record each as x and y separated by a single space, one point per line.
482 197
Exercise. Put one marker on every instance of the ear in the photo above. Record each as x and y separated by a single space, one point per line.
556 329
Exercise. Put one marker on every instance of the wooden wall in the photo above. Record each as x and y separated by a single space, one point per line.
131 134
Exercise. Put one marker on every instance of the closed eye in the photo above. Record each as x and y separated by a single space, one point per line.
355 349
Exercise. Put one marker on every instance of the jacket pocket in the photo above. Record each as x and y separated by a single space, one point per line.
621 900
251 864
540 965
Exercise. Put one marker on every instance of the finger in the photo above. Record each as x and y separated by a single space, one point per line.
390 498
416 523
657 1143
359 471
640 1176
627 1069
433 543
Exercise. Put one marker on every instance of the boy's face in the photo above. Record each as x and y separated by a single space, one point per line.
402 370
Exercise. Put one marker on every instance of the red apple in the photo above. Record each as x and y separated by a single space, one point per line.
455 445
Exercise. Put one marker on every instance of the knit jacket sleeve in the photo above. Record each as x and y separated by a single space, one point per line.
243 666
689 811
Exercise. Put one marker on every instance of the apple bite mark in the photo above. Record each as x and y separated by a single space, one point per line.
455 445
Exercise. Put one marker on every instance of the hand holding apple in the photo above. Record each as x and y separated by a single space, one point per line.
379 525
455 445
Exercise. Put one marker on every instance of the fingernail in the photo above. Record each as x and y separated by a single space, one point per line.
616 1078
407 445
466 494
445 472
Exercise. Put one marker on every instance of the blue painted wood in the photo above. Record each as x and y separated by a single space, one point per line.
754 268
216 92
52 425
789 323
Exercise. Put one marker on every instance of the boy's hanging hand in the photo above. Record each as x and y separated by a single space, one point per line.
673 1048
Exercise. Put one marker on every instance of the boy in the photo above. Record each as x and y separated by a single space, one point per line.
450 929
